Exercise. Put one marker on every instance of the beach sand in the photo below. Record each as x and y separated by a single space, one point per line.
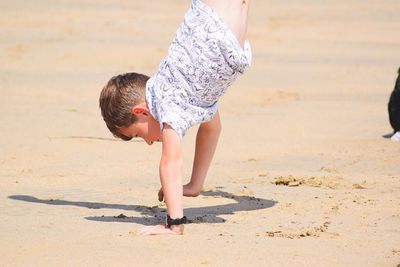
303 174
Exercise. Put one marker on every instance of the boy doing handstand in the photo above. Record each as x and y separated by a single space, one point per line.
206 56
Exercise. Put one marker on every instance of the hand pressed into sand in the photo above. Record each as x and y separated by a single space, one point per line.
170 172
188 191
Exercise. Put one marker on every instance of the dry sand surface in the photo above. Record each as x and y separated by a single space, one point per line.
303 175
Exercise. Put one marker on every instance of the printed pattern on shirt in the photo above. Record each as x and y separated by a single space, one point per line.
203 61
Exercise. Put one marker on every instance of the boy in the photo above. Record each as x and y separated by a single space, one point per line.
205 57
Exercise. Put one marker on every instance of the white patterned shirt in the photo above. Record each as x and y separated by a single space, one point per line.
202 62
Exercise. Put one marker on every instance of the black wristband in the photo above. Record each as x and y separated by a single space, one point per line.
169 221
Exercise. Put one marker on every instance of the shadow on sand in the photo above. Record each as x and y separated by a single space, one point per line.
154 215
387 136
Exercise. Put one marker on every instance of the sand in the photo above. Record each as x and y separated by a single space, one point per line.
303 174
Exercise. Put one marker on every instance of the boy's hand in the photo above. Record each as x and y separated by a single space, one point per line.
187 192
161 230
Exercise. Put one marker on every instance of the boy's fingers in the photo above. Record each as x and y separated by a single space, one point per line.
147 230
155 230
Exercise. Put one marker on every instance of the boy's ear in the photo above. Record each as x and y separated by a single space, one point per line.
140 108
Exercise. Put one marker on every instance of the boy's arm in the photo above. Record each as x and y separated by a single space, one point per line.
171 182
206 143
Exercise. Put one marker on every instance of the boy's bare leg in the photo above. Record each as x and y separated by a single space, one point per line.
234 13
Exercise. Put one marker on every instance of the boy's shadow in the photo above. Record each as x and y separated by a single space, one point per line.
155 215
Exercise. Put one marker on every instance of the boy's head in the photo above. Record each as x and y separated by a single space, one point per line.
118 98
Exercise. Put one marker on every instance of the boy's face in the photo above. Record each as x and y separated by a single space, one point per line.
145 127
